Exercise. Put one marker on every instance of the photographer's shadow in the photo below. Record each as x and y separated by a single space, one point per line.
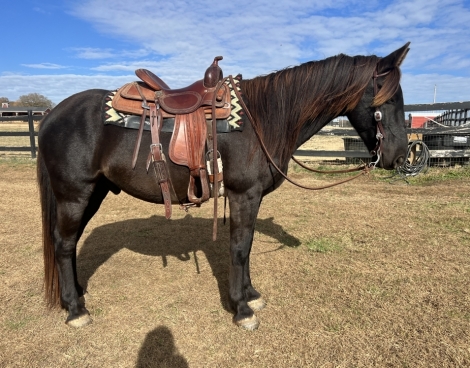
158 237
159 350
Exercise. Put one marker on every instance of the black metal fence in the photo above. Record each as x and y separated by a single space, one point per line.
454 118
31 133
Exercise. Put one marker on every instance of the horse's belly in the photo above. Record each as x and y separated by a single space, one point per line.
144 185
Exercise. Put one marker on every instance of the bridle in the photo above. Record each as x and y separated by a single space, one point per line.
378 118
364 169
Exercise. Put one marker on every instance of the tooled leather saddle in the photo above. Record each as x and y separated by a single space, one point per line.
195 109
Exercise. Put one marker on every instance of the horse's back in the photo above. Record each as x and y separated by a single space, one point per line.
74 110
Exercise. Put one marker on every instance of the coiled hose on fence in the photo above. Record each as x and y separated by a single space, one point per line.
417 159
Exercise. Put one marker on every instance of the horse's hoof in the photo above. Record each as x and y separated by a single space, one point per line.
257 304
80 321
250 323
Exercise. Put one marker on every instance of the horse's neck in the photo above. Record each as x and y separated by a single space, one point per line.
283 114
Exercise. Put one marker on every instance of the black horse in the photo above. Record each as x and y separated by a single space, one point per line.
81 160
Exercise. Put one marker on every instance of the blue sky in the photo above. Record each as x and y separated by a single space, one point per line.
58 48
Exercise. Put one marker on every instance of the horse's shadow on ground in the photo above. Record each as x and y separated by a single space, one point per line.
158 237
159 350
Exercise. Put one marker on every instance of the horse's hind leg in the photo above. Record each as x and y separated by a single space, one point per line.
69 216
72 218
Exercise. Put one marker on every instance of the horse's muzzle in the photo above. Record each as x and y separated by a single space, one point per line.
398 161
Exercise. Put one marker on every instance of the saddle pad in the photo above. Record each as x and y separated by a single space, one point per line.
236 112
168 125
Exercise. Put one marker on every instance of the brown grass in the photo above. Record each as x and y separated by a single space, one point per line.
367 274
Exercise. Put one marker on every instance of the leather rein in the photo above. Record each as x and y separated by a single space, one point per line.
364 169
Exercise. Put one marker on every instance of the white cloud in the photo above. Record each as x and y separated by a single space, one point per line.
44 66
419 88
56 87
251 33
92 53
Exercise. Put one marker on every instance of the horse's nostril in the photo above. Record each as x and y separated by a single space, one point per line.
399 161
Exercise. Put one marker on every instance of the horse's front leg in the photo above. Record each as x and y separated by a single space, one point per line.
242 296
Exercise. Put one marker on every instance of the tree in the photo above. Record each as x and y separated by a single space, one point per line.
34 100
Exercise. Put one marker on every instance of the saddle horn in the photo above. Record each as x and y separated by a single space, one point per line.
213 73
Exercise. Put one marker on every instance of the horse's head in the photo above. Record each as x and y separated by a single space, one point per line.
379 117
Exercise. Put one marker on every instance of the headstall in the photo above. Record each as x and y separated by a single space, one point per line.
380 135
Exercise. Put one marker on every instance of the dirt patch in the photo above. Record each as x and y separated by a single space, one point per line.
361 275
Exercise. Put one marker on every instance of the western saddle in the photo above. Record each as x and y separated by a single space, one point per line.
195 109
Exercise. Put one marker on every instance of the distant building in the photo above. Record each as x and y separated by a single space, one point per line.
422 119
22 110
340 121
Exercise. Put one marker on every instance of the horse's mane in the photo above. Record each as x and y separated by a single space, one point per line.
283 101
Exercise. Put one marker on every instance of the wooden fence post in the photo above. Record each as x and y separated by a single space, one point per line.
31 133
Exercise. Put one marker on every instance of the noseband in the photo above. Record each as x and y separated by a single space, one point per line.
380 135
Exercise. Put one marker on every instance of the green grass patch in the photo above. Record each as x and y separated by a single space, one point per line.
323 245
428 177
18 161
436 174
18 323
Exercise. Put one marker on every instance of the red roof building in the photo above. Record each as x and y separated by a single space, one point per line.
420 119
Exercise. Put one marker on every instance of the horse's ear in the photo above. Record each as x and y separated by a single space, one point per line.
394 60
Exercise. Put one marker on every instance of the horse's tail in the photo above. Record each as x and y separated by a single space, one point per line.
49 219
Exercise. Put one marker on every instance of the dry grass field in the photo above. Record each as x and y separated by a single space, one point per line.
367 274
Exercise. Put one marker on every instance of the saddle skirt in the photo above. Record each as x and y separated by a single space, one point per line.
188 140
187 148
